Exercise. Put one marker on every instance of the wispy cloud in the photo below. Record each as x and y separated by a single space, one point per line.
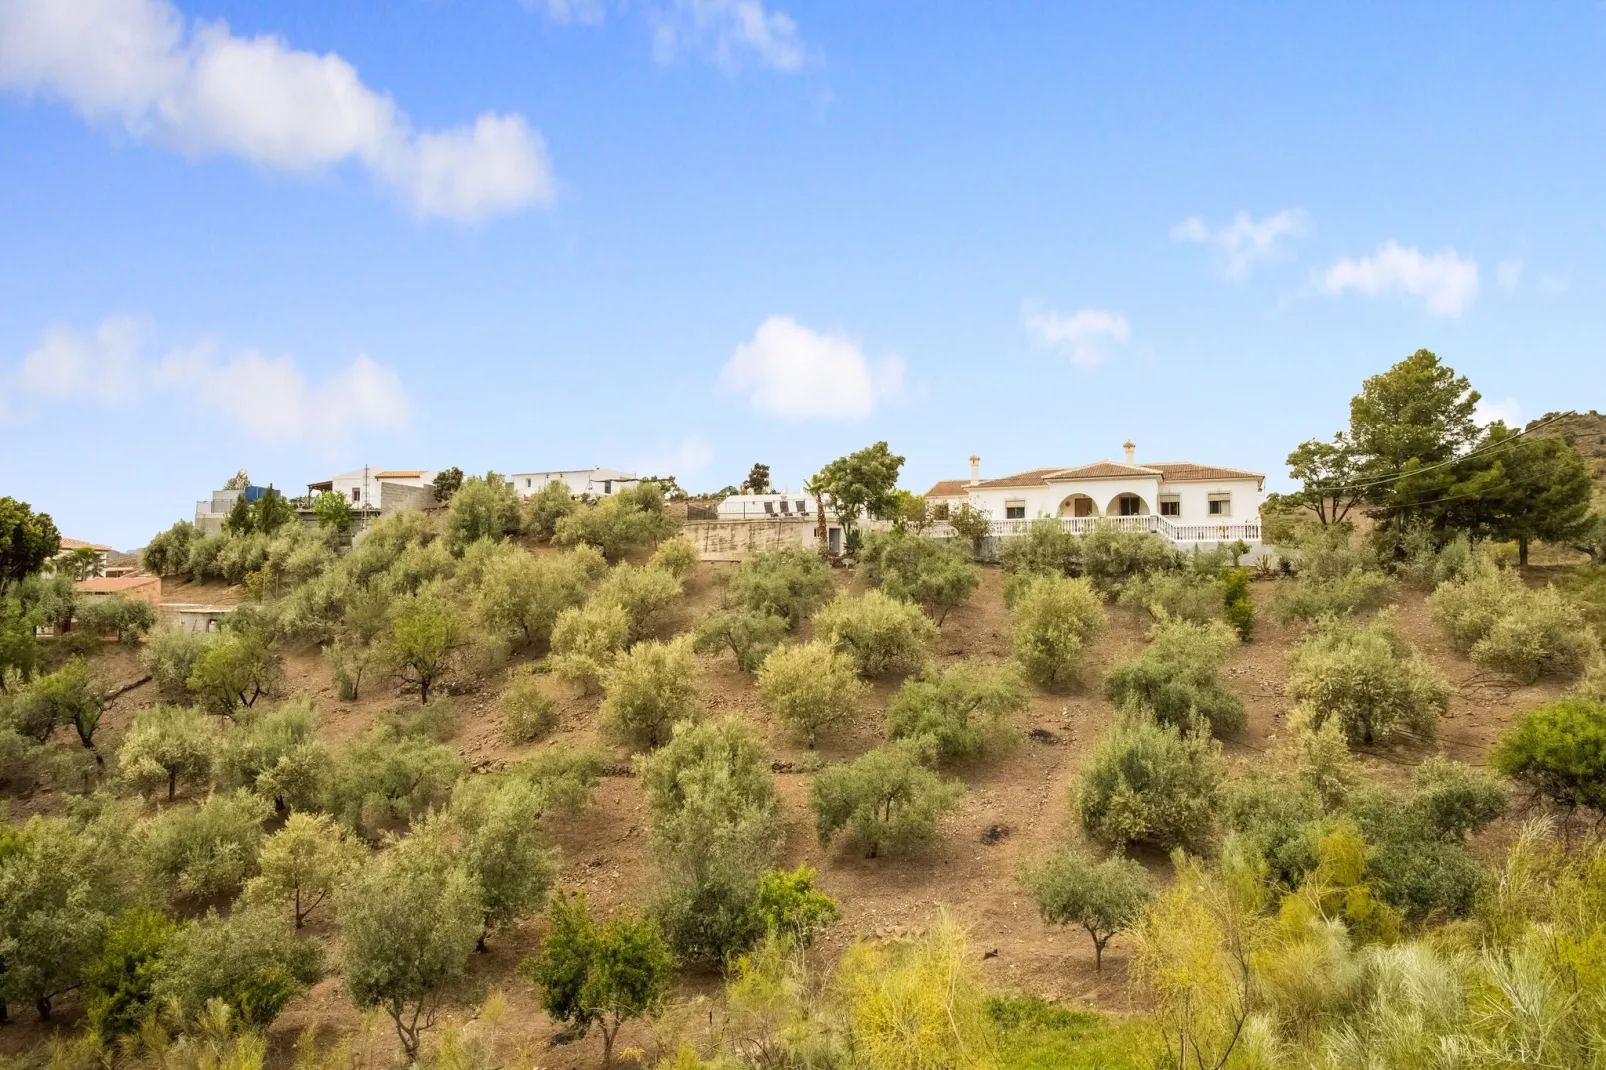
1488 411
1086 335
1446 281
269 398
729 33
796 373
1245 242
202 90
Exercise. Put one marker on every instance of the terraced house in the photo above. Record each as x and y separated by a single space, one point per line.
1186 502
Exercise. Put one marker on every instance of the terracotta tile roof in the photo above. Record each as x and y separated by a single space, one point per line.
947 488
1034 477
399 475
114 584
1188 472
1102 470
79 544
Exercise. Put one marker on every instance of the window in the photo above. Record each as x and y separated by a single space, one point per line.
526 484
1130 504
1170 505
1221 505
356 494
940 511
607 486
802 508
1014 510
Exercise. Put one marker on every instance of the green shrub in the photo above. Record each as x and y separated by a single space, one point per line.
1369 680
1428 564
1176 595
677 557
1416 867
1276 820
1151 782
1102 897
303 864
1043 548
168 554
790 583
586 640
543 510
387 775
120 984
1336 578
920 570
887 797
790 907
876 631
522 595
1177 675
1111 558
233 672
166 745
748 634
714 829
961 709
1052 622
647 595
494 825
1455 800
483 507
277 754
810 686
631 518
527 711
648 689
1239 607
206 850
1502 624
250 960
1558 751
170 656
126 618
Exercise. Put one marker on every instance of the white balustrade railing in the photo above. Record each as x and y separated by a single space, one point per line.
1158 525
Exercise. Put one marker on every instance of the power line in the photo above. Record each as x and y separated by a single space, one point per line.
1444 464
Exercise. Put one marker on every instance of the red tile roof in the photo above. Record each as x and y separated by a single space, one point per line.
1101 470
114 584
1188 472
947 488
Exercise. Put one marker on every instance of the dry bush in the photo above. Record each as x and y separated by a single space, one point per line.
1051 624
877 631
527 711
810 686
648 690
1177 675
1369 680
1503 624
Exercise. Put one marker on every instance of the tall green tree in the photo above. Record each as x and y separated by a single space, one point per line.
27 540
1521 487
273 511
1327 474
862 484
758 480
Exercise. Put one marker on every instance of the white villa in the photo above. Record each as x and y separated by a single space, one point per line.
582 482
364 487
1186 502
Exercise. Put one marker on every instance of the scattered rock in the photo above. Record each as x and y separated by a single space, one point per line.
1042 735
995 834
619 769
782 767
560 1039
990 953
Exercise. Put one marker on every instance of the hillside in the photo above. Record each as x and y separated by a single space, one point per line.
1586 432
1016 806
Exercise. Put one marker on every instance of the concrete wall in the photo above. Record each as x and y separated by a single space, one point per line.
394 497
734 540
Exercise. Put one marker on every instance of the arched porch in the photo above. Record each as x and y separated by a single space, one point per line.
1127 504
1078 505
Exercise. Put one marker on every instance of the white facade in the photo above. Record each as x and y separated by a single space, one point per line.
767 506
582 482
363 488
1184 501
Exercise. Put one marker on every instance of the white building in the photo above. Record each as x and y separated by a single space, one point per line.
582 482
1186 502
364 487
768 507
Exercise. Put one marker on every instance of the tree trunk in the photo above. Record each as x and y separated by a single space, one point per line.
172 784
1098 954
1522 551
42 1005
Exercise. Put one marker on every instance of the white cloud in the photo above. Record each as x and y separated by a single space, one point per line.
729 33
269 398
790 371
683 460
1445 280
1489 410
1086 335
1509 272
586 12
205 91
1245 242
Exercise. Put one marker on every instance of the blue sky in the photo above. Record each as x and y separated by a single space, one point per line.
686 235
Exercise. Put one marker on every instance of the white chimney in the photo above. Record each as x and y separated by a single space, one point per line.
1131 451
975 469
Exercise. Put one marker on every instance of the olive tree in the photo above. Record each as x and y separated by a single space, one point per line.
426 638
1052 622
1150 782
1368 679
409 921
203 851
234 671
748 634
877 631
888 797
166 745
598 976
586 640
790 583
304 863
810 686
1102 897
495 831
250 960
648 689
277 754
960 709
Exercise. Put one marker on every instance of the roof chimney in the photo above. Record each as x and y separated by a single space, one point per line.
1131 451
975 469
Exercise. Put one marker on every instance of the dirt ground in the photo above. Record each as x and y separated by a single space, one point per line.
1020 798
